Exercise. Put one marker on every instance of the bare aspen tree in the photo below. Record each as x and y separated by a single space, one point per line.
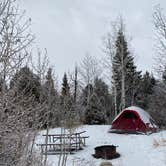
119 64
89 69
75 85
123 69
157 99
70 118
15 134
159 21
110 51
40 64
47 123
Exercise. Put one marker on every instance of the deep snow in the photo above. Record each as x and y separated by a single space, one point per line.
135 150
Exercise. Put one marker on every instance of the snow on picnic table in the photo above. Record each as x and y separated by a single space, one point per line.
135 150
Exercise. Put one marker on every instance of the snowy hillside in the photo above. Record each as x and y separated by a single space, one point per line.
135 150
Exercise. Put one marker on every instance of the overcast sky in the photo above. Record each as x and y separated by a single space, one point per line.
71 28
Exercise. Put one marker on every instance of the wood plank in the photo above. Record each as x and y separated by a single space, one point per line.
64 134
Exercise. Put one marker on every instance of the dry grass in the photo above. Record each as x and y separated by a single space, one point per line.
159 142
83 162
106 164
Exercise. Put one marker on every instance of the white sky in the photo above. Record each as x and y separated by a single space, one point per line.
71 28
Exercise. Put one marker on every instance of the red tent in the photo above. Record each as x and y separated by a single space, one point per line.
133 120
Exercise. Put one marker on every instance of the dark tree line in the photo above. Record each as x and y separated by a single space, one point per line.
92 103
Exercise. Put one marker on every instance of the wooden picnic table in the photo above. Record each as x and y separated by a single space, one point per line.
64 142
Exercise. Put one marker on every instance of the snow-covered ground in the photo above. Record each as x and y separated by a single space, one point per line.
135 150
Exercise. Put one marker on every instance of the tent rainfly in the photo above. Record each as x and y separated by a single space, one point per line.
133 120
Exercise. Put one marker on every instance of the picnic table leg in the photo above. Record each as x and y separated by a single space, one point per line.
84 141
79 142
42 149
76 142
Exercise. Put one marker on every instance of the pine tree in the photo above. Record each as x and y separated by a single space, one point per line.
96 102
68 114
124 72
101 90
26 83
157 104
51 98
94 113
75 94
65 92
164 76
86 94
3 85
49 86
25 91
146 90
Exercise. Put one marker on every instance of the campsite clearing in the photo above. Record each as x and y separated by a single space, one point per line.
134 149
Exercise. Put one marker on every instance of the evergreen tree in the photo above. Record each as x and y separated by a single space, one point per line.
125 75
65 92
96 102
157 104
26 83
86 94
3 85
102 92
146 90
25 92
164 76
94 112
51 98
68 114
75 94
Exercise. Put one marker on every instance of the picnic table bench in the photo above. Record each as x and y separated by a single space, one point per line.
63 143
